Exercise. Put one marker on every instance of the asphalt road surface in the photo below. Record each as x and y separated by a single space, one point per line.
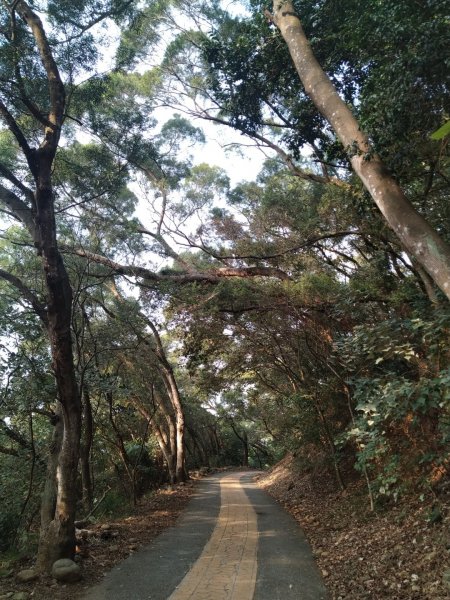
232 543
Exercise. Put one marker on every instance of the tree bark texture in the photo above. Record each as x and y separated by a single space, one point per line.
171 438
175 399
48 500
85 452
174 395
57 538
413 231
166 437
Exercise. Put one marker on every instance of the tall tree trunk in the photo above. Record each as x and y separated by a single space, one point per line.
244 441
85 452
415 234
171 457
175 398
57 537
215 442
174 395
48 500
167 451
171 438
167 441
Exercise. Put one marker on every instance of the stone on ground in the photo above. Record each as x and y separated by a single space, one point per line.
66 570
26 575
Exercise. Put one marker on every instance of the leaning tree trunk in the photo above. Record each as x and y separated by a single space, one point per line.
413 231
171 437
167 440
167 448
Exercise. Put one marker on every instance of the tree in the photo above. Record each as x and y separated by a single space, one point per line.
283 347
416 235
270 327
139 323
34 104
243 80
36 212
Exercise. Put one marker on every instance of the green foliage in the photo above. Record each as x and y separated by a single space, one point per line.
8 528
342 361
8 149
442 132
140 35
399 373
115 505
17 516
373 54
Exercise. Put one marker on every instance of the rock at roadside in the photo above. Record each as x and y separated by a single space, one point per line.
26 576
66 570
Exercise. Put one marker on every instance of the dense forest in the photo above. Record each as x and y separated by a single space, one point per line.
161 314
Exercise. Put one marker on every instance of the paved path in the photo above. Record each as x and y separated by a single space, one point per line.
233 543
226 569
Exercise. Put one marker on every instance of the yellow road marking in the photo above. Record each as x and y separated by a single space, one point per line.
226 569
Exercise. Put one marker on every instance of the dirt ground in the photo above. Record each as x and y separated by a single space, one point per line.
104 546
401 552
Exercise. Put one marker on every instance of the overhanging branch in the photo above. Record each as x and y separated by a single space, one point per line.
213 276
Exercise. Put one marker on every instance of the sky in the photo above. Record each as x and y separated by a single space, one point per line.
224 147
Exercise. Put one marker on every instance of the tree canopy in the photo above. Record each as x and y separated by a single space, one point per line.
160 313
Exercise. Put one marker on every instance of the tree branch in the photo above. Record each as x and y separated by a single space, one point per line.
27 294
56 86
287 159
309 242
213 276
7 174
19 209
167 248
30 153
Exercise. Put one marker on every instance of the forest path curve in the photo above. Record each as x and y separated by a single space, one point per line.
232 543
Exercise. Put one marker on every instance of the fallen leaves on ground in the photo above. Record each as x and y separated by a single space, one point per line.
397 553
102 546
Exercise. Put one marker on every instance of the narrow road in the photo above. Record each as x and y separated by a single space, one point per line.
233 543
